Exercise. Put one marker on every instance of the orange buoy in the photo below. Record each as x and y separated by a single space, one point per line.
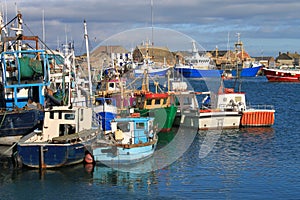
88 158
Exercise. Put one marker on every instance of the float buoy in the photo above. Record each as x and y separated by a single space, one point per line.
88 159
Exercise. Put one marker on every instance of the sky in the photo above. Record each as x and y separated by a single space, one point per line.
266 27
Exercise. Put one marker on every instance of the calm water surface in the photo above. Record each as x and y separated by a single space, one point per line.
252 163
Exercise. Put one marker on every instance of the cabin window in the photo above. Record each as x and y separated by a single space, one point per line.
238 98
99 102
108 101
66 129
157 101
59 115
187 101
51 115
111 85
149 101
123 126
70 116
81 114
140 125
62 129
165 101
139 99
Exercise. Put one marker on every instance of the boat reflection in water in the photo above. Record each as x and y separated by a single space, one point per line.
102 175
259 135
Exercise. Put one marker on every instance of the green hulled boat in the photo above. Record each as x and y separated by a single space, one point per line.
161 106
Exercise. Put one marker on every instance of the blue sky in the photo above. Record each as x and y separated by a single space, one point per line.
266 27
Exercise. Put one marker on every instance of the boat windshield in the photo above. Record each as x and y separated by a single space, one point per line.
123 126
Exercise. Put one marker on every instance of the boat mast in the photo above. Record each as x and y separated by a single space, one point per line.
43 24
239 49
88 59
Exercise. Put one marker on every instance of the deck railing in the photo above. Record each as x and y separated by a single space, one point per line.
261 107
97 120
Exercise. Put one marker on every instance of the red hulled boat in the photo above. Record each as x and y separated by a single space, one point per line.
282 75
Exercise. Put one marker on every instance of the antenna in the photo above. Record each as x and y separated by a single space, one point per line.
152 22
16 8
43 23
5 12
58 43
228 46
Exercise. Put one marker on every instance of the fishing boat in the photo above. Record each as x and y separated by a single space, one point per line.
115 88
106 110
152 71
24 74
149 67
187 104
66 131
241 70
62 141
249 70
231 111
131 140
198 66
111 99
223 115
161 106
282 75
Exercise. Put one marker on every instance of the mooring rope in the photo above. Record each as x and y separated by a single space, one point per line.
3 118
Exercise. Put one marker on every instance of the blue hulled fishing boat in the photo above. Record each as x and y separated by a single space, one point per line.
198 66
67 130
62 141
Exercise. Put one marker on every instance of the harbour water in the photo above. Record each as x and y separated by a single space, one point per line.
250 163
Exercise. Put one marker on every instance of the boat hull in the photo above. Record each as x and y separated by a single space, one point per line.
247 72
15 124
258 118
187 120
199 73
111 155
164 117
277 75
219 120
45 155
151 73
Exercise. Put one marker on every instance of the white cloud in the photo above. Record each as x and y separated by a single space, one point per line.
207 21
